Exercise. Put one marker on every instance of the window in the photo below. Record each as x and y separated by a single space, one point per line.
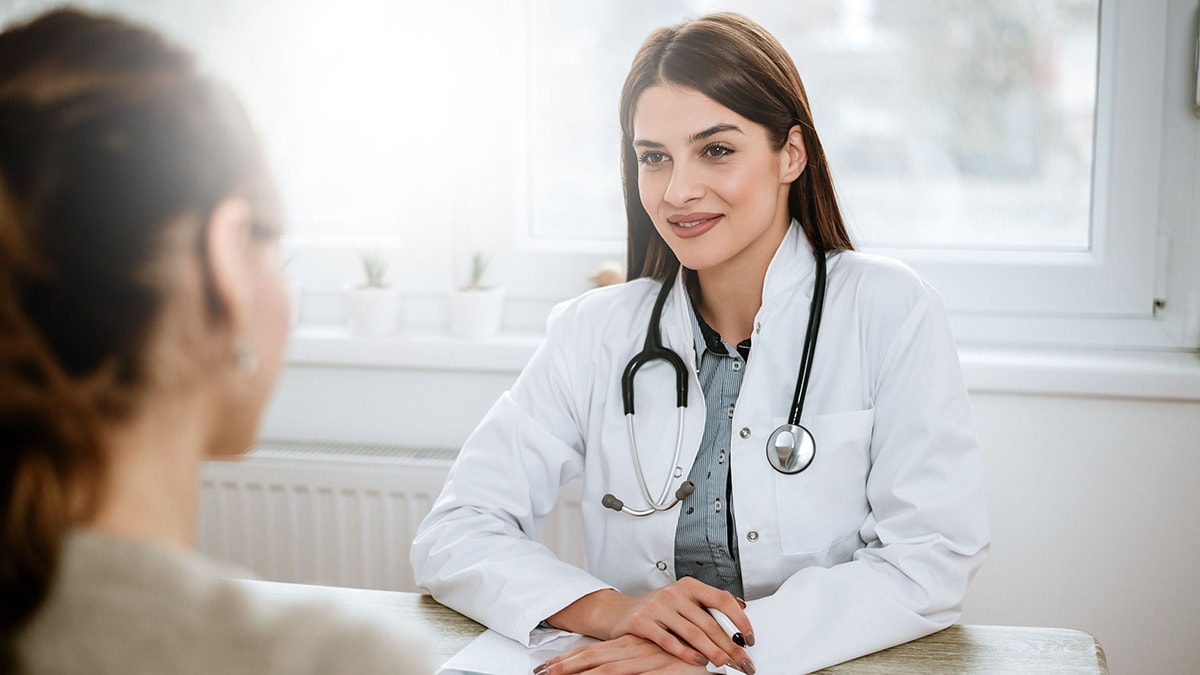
1013 153
1034 159
950 125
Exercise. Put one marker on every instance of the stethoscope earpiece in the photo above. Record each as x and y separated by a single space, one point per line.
686 488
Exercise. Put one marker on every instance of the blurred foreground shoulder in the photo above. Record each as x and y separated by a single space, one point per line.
134 607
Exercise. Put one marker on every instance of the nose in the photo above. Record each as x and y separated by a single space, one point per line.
684 187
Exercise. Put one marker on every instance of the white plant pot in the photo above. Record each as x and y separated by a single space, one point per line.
475 313
373 312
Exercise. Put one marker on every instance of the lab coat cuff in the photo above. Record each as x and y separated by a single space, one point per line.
542 632
542 636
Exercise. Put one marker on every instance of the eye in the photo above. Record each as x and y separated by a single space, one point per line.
717 151
651 158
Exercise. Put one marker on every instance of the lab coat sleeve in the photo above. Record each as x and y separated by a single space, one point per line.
927 531
474 552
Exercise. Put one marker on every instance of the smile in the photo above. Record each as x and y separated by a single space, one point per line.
694 224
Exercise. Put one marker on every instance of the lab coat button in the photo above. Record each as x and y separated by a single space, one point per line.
745 432
752 535
662 566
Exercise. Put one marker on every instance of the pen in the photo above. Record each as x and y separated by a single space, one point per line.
727 626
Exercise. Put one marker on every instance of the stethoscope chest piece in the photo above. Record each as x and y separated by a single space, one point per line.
791 448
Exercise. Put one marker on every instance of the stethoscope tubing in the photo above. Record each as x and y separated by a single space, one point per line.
653 350
810 344
662 503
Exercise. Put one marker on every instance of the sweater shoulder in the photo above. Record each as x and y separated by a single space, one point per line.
113 597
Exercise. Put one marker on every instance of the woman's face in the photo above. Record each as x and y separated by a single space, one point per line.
273 319
265 333
711 180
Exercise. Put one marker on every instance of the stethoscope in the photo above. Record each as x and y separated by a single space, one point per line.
790 448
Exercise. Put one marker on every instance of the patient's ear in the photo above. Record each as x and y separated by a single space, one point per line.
227 244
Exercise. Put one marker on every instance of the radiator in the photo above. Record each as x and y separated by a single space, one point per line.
338 514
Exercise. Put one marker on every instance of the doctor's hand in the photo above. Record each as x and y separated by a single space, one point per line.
673 617
626 654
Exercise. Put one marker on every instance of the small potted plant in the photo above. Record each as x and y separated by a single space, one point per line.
373 307
476 309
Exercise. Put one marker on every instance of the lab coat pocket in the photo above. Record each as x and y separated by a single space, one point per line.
827 502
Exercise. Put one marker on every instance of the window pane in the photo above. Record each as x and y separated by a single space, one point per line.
946 124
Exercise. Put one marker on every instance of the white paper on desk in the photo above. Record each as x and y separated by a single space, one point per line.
493 654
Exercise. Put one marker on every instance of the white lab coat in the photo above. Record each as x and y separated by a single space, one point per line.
873 545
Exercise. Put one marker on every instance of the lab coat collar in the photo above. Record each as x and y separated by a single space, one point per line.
791 265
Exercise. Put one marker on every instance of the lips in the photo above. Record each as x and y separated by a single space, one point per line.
690 225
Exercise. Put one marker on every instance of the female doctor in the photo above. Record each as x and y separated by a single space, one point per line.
812 451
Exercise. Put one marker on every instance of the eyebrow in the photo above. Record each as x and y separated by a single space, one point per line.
698 136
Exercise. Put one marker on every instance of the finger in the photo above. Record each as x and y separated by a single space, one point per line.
700 630
658 622
627 655
732 607
669 642
577 660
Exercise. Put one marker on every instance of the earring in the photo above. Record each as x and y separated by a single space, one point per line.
246 359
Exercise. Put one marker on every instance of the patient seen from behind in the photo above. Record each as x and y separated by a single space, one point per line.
143 318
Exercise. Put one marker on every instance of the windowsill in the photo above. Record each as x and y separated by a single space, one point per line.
1101 373
411 350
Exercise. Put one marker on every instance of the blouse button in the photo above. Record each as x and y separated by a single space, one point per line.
752 535
737 365
662 566
745 432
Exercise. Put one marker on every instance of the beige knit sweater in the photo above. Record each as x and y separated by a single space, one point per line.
125 606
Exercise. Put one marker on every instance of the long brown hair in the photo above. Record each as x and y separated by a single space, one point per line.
108 137
738 64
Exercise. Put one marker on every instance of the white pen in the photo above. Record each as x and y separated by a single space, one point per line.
727 626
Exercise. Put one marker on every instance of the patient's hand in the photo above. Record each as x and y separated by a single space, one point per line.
627 654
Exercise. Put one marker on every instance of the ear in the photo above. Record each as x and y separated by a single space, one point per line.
227 242
793 156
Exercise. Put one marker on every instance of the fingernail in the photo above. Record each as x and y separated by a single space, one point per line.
749 638
748 667
741 602
701 660
542 669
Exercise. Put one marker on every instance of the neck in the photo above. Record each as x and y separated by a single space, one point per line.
729 296
728 305
153 477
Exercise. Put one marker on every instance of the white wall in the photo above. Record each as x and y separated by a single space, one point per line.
1095 517
1093 511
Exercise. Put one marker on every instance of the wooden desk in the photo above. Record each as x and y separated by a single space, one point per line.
990 650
